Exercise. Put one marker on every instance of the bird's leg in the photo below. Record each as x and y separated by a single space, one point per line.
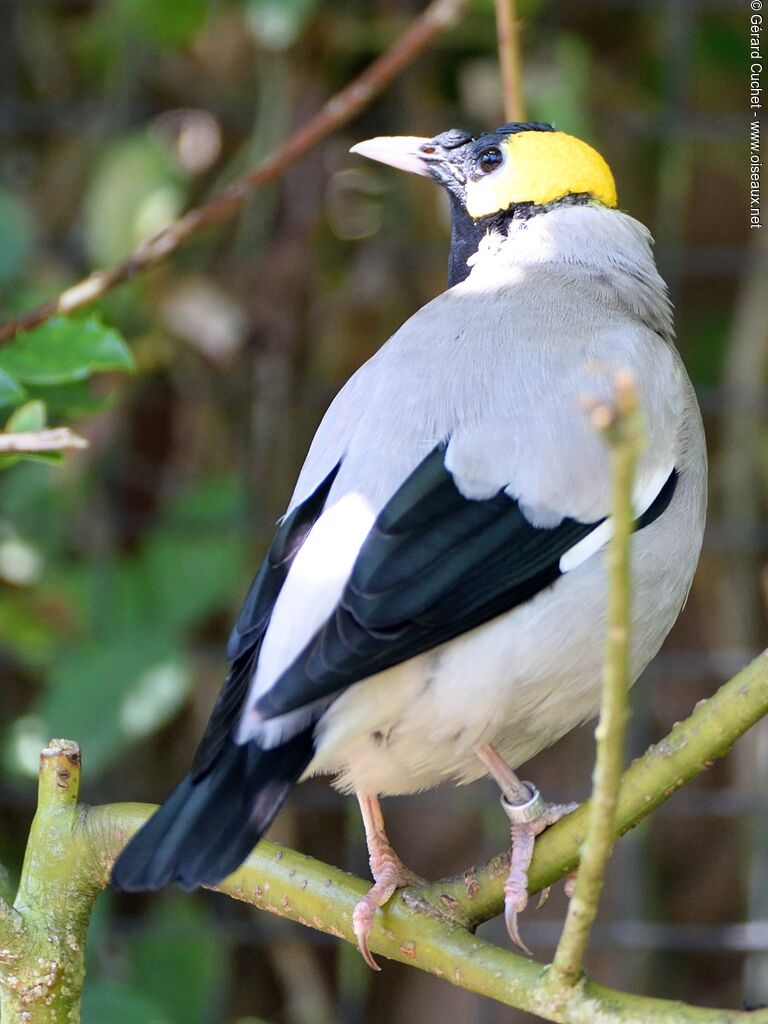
389 873
529 816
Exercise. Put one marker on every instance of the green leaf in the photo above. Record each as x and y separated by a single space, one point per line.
68 400
180 943
135 190
49 458
26 628
63 350
277 24
120 1004
191 565
30 416
114 690
16 237
41 511
190 577
11 392
169 23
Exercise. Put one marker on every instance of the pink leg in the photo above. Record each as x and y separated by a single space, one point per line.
389 873
515 796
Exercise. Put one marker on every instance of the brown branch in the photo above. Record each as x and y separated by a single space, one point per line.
342 107
508 32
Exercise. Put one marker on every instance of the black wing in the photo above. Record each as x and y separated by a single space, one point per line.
434 565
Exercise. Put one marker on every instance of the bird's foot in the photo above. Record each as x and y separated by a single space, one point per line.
524 834
529 816
389 873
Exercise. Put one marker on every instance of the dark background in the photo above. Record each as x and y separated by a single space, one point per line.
121 571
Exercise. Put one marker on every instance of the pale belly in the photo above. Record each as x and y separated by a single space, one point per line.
518 682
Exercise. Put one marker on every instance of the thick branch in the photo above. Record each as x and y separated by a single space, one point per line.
42 970
12 932
302 889
621 428
342 107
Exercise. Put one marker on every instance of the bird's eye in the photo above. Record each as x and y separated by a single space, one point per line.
489 159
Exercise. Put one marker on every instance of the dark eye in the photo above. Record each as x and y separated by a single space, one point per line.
489 159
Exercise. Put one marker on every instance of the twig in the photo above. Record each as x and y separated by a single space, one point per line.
508 33
621 427
41 441
739 482
342 107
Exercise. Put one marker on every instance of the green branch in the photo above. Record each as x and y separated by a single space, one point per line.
621 426
71 850
302 889
431 926
42 968
12 931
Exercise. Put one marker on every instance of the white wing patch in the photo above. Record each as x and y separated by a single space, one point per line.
311 590
643 497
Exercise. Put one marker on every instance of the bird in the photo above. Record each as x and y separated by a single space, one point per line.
433 604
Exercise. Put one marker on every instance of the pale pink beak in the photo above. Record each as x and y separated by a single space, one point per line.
401 151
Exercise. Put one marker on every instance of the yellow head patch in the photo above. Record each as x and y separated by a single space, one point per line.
539 167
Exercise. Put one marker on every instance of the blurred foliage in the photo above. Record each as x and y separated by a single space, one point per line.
114 664
183 945
142 173
121 567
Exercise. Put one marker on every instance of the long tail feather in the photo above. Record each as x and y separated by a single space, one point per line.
210 823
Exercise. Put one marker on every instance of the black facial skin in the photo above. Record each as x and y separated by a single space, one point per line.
456 157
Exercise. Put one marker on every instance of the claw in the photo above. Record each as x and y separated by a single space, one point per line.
543 897
361 926
510 919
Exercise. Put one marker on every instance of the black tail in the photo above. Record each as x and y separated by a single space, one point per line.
216 815
211 822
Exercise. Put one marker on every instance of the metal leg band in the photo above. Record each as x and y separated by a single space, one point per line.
528 810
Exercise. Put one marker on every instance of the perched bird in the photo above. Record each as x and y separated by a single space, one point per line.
432 606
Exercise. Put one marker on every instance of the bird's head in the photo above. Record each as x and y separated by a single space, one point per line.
517 171
517 164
